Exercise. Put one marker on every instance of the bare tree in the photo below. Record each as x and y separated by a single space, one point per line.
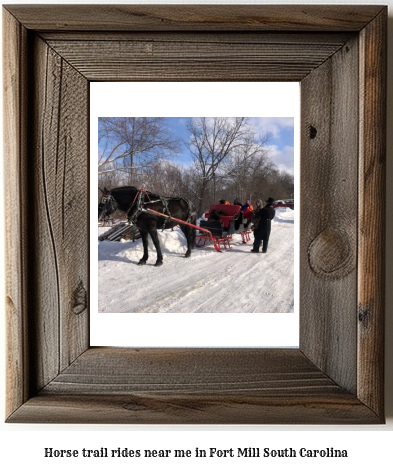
229 159
133 144
166 178
212 140
252 156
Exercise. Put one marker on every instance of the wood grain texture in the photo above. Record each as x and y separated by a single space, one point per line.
200 37
173 59
201 386
335 376
328 249
190 371
60 224
15 213
155 409
372 196
194 17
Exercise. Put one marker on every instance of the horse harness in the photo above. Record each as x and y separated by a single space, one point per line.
140 200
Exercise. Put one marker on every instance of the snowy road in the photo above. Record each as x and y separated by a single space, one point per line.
234 281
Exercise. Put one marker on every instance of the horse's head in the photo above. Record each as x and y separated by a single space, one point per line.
107 206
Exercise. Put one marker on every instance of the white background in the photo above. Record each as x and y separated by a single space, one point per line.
369 447
182 99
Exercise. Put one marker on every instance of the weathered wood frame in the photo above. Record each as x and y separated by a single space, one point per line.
338 54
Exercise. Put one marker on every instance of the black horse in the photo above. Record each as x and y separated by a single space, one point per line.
135 202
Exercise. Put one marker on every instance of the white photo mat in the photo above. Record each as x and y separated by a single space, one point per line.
182 99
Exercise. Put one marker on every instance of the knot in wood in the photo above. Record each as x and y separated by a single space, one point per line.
313 132
330 254
80 299
363 316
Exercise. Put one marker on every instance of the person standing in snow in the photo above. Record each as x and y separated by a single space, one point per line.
262 224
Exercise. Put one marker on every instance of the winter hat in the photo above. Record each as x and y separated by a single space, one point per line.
270 200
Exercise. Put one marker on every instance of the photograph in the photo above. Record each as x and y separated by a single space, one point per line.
208 199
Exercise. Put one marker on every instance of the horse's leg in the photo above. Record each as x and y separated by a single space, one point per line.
154 237
189 233
144 235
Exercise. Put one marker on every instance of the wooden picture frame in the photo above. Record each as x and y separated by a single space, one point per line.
338 54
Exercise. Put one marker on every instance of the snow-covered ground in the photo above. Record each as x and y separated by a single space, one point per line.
232 281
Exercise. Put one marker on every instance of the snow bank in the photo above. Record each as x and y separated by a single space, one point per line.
231 281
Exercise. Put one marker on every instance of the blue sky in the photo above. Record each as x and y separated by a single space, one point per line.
280 144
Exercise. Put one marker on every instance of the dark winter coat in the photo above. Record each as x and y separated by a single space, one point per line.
262 222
